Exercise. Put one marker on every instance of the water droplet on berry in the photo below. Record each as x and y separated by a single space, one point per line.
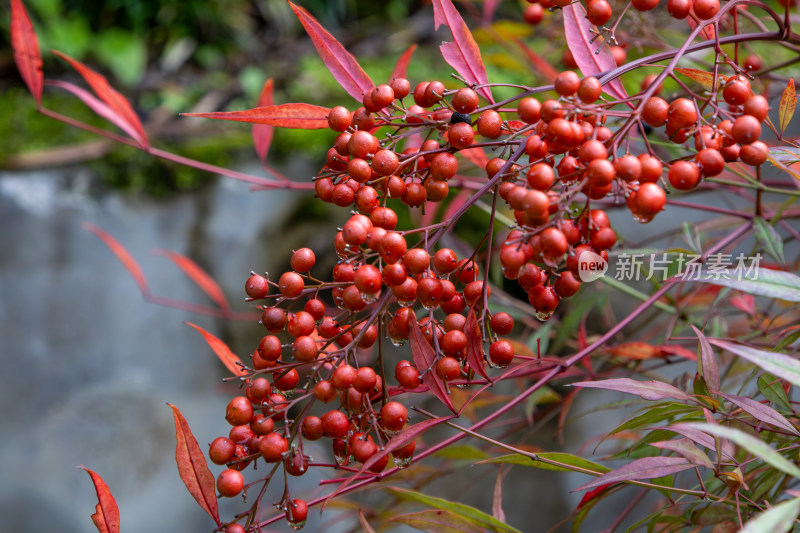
369 298
541 315
296 525
397 342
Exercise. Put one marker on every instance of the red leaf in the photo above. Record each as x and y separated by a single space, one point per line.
649 390
475 344
548 72
424 359
645 468
122 254
398 441
26 50
296 116
192 467
95 105
579 33
401 67
198 275
463 54
592 494
228 358
339 61
476 155
262 133
118 103
106 516
761 412
489 7
787 105
708 362
744 302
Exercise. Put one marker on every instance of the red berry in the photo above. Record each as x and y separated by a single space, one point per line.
394 416
256 286
221 450
501 353
230 483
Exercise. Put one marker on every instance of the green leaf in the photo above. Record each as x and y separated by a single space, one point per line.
471 514
781 365
545 395
653 415
438 521
779 518
769 238
750 443
565 458
771 388
766 282
462 451
123 52
541 337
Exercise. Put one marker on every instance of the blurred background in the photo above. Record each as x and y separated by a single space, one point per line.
88 365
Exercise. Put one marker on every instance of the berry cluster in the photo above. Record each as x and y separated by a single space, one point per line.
387 276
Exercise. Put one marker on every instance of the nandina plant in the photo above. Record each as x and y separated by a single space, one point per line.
614 128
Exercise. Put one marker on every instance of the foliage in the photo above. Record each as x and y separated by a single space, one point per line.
498 358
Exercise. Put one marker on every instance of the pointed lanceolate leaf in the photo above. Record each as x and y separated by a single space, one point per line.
769 238
548 464
780 365
339 61
753 445
708 362
649 390
106 516
438 521
192 467
112 98
703 77
689 451
787 105
262 133
198 275
761 282
475 344
580 35
645 468
96 105
401 67
463 54
122 254
228 358
296 116
26 50
471 514
761 412
424 358
781 517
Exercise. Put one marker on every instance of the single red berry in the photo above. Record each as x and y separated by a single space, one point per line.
256 286
567 83
394 416
501 323
460 135
599 13
465 101
746 129
684 175
448 368
335 424
221 450
297 511
291 284
272 447
230 483
339 118
324 391
490 124
401 87
590 88
533 14
705 9
239 411
312 428
501 353
679 9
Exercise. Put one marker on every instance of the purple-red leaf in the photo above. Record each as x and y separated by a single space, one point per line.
26 50
475 344
708 362
463 54
198 275
645 468
787 105
118 103
698 437
580 35
95 105
228 358
122 254
192 467
339 61
403 438
547 71
649 390
425 359
106 516
401 67
684 447
761 412
262 133
297 116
